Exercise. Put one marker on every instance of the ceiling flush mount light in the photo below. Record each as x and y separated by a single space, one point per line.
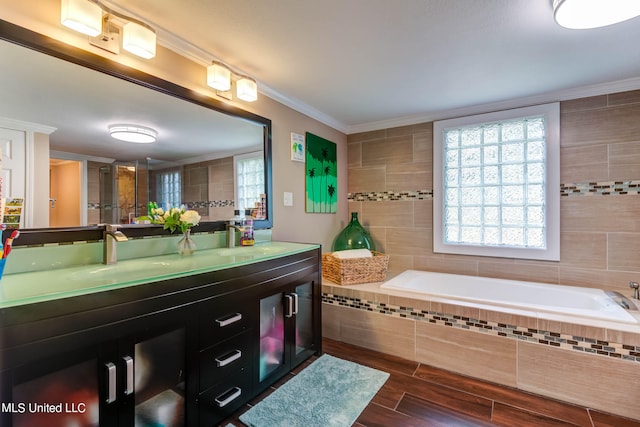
246 89
583 14
139 39
133 133
83 16
219 76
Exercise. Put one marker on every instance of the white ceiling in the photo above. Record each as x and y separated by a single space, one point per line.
366 64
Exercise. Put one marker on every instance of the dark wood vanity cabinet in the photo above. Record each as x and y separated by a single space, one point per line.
187 351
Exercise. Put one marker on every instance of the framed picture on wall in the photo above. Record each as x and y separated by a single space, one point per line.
321 175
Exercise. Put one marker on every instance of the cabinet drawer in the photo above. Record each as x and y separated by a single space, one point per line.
223 399
222 324
224 359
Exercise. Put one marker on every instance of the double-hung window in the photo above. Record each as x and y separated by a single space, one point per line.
496 184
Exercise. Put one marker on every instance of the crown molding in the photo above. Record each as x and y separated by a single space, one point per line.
554 96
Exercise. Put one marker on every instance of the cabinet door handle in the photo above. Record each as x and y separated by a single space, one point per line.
128 363
229 319
228 396
295 303
289 308
111 382
227 358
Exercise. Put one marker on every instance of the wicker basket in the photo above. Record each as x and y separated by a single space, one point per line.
351 271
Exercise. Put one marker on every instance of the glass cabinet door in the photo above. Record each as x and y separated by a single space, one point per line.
304 319
272 337
159 380
59 393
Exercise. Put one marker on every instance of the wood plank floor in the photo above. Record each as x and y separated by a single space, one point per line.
416 395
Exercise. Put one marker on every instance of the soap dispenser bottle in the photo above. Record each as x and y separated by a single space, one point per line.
247 230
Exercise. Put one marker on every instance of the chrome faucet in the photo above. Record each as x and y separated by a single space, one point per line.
231 235
110 237
636 292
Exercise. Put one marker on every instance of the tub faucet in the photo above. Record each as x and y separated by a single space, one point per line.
636 291
110 237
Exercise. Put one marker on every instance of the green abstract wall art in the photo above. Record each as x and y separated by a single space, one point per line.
321 173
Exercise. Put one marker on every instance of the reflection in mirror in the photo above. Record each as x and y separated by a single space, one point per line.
212 161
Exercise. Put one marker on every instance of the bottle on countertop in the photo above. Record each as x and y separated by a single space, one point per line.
247 238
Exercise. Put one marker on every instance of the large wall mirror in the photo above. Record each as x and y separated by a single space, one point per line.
202 144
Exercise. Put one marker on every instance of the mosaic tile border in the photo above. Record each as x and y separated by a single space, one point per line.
603 188
379 196
552 339
194 205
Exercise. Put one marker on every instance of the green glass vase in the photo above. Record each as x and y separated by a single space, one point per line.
354 236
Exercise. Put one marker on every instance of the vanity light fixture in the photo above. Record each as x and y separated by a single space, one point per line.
219 76
85 16
133 133
584 14
246 89
139 39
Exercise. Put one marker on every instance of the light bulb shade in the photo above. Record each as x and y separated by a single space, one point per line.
247 89
219 77
133 133
139 40
83 16
583 14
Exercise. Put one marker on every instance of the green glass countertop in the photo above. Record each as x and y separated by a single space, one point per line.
26 288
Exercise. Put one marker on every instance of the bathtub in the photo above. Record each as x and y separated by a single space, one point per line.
553 302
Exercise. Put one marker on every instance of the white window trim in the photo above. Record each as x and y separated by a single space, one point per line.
552 185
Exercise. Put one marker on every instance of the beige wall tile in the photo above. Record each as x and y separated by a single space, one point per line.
583 104
469 353
354 155
600 213
415 303
584 163
371 296
390 335
388 213
445 264
598 382
623 250
379 235
423 146
410 129
409 176
388 151
409 241
599 279
331 321
611 124
456 310
367 136
621 98
366 179
423 215
572 329
400 263
624 161
532 272
583 249
623 337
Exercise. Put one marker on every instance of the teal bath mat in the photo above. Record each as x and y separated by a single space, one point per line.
329 392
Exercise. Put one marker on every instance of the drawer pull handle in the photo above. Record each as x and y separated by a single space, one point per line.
228 396
228 320
111 382
128 363
227 358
